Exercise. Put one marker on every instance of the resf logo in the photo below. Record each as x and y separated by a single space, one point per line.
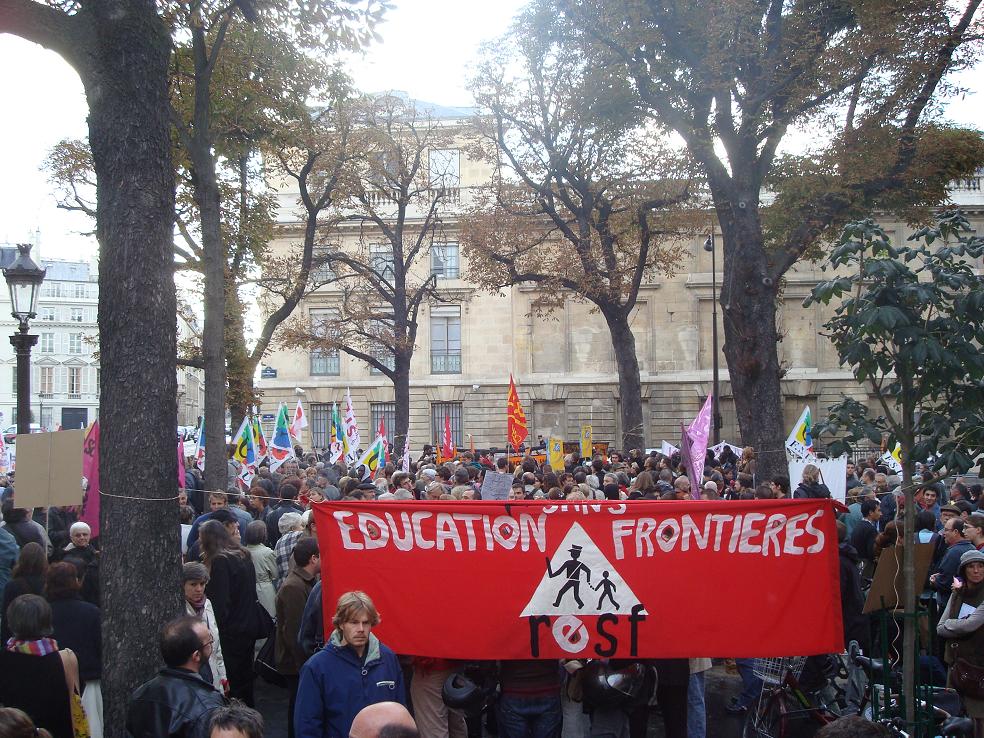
580 581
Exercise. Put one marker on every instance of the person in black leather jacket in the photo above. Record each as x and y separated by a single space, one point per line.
811 487
177 702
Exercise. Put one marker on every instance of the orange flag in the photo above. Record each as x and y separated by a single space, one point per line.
516 431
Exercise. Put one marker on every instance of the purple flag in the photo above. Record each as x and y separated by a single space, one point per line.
697 433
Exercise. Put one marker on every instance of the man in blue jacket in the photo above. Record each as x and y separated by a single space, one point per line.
352 671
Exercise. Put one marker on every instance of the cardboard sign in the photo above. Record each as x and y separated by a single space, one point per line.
496 486
49 469
887 586
535 579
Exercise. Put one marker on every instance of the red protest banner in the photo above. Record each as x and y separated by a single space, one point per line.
491 580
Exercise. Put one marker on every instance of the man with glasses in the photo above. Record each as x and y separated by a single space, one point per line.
176 702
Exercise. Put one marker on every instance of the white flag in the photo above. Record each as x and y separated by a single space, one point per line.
351 428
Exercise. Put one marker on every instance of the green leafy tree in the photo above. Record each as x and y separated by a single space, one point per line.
582 192
910 324
734 80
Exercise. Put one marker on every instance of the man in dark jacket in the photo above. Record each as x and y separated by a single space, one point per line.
941 581
864 534
176 702
291 600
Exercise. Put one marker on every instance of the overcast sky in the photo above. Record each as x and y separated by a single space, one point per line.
428 47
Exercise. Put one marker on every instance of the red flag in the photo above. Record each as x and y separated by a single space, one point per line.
590 580
516 430
447 445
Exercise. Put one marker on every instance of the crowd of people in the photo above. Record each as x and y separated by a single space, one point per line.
252 596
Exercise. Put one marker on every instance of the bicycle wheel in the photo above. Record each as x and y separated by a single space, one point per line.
768 718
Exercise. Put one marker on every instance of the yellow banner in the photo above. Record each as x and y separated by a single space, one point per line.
585 441
555 454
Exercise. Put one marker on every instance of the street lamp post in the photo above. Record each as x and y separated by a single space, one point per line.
24 279
716 402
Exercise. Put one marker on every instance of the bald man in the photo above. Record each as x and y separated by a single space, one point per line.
384 720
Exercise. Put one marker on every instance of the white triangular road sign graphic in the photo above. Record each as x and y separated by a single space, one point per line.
580 573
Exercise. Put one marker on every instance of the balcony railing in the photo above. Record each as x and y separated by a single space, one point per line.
324 365
445 362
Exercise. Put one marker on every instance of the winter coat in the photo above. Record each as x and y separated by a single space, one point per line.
232 590
291 599
949 567
335 685
8 557
265 566
811 490
176 702
216 663
77 625
852 600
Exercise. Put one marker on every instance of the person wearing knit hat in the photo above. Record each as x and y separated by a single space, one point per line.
194 577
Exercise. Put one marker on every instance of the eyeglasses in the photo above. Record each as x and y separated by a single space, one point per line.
206 644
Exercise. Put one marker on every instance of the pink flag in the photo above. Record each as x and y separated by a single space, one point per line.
697 434
181 464
90 470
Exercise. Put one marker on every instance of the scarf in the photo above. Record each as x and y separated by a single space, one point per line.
198 606
40 647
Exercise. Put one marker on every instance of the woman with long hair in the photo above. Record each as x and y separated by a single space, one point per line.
27 577
232 591
962 628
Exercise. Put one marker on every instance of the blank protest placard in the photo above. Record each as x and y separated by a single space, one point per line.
49 469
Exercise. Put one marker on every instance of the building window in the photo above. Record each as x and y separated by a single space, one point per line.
51 289
381 260
75 343
385 411
13 380
47 343
441 410
324 361
48 314
46 381
321 273
81 291
318 425
380 348
46 418
445 168
446 339
77 315
74 382
444 260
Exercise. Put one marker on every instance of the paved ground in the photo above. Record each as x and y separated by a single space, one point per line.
272 702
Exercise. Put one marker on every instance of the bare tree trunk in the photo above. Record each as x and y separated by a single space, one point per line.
401 394
629 382
130 139
240 365
748 302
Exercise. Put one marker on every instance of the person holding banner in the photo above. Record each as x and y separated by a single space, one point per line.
811 487
352 671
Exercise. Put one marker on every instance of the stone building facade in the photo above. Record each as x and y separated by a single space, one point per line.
563 365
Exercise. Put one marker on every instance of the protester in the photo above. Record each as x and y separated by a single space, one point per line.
235 721
8 557
194 581
811 487
291 526
18 522
76 625
291 600
941 580
352 671
264 564
384 720
176 702
15 723
27 577
85 556
961 627
232 589
37 677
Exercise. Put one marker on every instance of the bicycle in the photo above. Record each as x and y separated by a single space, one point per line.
784 701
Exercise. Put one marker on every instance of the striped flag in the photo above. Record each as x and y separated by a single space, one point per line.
372 459
280 445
